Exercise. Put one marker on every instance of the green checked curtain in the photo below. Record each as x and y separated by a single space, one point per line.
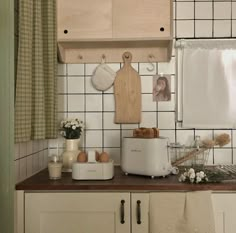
35 94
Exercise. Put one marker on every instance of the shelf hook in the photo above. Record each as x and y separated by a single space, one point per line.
103 58
152 66
80 56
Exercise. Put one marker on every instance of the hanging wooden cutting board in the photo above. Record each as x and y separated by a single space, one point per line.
127 91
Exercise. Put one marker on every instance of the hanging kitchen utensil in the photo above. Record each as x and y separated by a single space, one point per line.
103 76
127 91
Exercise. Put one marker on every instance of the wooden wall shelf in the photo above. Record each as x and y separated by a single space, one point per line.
93 51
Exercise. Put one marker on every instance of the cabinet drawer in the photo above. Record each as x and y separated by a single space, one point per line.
77 212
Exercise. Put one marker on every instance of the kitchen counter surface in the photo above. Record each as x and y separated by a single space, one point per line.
120 182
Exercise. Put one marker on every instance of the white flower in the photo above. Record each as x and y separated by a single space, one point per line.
192 176
182 178
69 126
191 170
198 179
192 180
63 123
74 122
201 174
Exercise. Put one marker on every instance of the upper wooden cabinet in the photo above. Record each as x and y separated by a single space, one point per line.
80 19
141 19
89 29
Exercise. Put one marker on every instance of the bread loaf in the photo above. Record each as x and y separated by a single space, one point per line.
146 133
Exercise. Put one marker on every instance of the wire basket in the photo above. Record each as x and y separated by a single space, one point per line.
182 155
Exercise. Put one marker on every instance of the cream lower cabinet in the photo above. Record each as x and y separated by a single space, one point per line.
86 212
224 205
105 212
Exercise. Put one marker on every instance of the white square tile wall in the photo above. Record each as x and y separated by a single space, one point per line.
61 84
94 120
149 119
75 84
94 138
203 10
185 10
203 28
30 158
78 98
233 10
222 10
75 69
234 28
222 28
185 28
223 156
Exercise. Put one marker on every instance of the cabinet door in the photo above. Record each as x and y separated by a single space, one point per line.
140 212
224 205
80 19
77 212
142 19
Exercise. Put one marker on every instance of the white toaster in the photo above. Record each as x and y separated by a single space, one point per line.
145 156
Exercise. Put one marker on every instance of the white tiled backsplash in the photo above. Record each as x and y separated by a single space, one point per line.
30 158
78 98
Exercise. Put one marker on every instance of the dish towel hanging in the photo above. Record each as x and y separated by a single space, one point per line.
183 212
209 84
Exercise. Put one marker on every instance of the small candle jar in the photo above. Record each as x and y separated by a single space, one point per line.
54 168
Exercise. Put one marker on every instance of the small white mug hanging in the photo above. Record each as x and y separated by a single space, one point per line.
161 88
103 76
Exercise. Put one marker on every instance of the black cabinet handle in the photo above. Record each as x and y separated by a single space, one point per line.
122 211
139 212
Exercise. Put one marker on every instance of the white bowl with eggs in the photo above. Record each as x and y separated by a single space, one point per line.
94 167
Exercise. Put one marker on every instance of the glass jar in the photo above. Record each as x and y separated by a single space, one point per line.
55 168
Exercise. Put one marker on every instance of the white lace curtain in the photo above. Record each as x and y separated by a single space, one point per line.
207 81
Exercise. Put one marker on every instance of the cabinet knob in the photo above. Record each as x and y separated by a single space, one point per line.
139 212
122 211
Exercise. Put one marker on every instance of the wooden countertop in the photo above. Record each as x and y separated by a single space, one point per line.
120 182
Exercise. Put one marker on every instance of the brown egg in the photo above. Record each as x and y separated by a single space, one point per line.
82 157
97 156
104 157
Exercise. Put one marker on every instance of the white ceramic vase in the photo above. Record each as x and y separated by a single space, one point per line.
70 154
